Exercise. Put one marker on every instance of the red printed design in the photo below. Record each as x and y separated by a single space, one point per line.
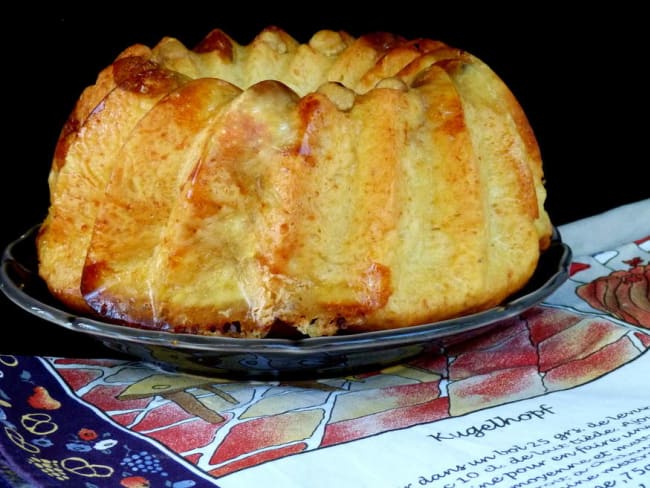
222 426
624 294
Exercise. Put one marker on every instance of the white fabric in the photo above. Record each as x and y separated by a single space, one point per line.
607 230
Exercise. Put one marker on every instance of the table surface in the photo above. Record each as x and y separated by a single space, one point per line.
575 86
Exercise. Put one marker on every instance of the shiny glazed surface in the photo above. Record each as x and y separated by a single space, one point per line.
270 358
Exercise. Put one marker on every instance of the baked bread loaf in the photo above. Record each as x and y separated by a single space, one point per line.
341 185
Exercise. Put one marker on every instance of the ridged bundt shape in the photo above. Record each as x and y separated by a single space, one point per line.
346 183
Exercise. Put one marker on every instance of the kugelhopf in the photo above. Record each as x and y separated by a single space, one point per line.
344 184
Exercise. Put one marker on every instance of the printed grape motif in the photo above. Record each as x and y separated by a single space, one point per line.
142 462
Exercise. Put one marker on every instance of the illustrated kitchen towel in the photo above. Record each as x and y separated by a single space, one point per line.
525 386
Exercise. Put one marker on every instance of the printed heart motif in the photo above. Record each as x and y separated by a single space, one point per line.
41 399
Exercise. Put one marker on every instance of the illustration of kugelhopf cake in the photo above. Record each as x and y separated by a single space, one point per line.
344 184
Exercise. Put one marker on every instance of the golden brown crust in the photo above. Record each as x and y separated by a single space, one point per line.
88 100
64 237
345 183
161 151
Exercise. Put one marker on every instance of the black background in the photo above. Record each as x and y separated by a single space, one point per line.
578 75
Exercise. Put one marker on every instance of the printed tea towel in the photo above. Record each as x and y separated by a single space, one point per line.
556 397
